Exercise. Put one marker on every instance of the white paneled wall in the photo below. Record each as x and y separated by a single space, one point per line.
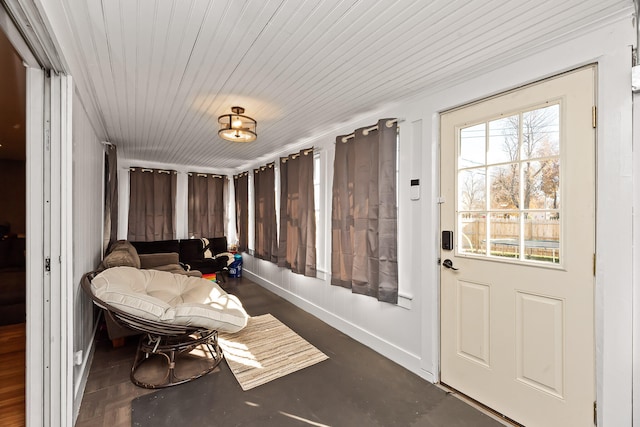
88 161
392 330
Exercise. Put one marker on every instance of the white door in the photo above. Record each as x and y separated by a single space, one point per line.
518 195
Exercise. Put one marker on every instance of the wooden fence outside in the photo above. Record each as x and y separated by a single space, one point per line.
475 236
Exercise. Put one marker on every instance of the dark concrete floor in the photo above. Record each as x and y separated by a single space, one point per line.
354 387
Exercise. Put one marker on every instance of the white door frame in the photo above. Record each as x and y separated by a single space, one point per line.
35 248
58 297
49 395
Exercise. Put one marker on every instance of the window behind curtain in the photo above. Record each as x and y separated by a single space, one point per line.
297 238
266 239
241 188
205 205
318 198
152 200
364 213
110 233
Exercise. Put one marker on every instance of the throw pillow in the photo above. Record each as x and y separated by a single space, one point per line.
122 254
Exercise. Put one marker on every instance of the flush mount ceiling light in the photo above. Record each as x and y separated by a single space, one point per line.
237 127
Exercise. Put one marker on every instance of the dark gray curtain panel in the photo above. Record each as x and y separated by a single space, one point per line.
152 201
342 214
297 237
364 213
241 188
110 233
266 239
205 196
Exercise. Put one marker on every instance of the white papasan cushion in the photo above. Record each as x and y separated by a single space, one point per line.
171 298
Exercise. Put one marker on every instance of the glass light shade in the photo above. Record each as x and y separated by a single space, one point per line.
236 127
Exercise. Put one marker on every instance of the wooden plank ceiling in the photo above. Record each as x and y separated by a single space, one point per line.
160 72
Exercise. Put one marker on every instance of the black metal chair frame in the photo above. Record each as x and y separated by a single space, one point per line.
167 340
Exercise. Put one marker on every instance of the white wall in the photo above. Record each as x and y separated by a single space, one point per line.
88 172
408 333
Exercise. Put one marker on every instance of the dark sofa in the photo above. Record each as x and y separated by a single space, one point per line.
192 257
204 255
12 280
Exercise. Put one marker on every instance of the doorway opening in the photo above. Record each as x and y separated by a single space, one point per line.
12 232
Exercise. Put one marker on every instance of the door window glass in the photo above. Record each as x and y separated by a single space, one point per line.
509 172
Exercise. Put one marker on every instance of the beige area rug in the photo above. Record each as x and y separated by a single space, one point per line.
266 349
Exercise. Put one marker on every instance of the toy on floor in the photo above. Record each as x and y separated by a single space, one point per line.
210 276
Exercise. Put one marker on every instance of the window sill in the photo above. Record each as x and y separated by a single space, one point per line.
405 300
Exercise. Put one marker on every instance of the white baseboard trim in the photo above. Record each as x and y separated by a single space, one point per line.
407 360
82 383
84 372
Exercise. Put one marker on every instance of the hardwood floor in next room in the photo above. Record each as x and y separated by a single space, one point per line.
12 375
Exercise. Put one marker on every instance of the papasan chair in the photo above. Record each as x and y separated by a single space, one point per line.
177 315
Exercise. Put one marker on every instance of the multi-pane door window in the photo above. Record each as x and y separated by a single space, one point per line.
508 186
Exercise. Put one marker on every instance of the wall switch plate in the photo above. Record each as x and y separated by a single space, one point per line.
414 192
